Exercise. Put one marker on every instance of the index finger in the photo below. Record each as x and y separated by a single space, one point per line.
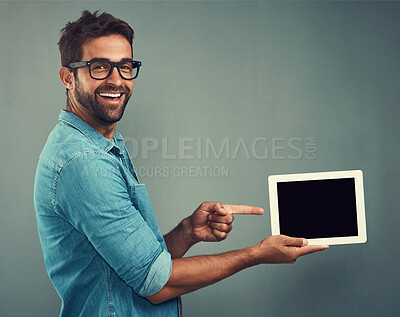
243 209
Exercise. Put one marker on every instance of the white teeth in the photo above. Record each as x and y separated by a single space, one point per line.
105 94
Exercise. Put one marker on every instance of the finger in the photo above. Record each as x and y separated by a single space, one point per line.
311 249
222 219
220 226
243 209
294 242
212 207
219 234
219 209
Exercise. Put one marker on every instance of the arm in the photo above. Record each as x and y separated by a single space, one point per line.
180 239
93 196
192 273
210 222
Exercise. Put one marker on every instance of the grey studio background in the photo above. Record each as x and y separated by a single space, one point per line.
289 86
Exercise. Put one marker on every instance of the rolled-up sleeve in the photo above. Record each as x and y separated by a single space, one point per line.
92 194
158 276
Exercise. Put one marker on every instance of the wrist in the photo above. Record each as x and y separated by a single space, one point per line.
255 254
189 235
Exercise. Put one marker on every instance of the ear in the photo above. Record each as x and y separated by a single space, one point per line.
67 77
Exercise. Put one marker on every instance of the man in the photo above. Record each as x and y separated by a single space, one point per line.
102 247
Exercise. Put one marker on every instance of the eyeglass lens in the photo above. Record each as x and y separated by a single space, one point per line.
101 69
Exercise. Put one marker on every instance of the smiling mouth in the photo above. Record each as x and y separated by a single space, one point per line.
111 96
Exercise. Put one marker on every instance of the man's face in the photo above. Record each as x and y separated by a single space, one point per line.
90 93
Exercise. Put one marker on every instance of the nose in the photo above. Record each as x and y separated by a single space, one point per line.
115 78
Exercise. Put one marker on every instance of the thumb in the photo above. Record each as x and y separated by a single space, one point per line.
295 242
219 209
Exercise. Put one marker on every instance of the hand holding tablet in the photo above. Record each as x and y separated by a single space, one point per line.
284 249
325 208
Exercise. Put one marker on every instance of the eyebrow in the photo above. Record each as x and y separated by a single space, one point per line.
126 59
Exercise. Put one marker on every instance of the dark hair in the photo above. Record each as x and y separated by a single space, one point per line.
89 26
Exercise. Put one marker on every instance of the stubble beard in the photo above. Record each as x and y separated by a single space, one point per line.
102 111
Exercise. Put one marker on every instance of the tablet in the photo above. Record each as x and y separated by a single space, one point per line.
325 207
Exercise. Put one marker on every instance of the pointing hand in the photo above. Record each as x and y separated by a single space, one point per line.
212 221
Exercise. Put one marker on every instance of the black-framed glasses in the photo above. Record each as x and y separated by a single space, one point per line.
101 68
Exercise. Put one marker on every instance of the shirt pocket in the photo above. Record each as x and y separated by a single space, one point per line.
139 197
141 201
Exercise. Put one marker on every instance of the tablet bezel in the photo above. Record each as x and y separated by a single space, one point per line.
273 180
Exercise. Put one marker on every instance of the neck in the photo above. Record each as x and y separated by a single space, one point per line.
105 129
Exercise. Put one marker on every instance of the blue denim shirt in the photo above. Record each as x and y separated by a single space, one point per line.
101 243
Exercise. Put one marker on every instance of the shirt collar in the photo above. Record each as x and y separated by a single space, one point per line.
89 132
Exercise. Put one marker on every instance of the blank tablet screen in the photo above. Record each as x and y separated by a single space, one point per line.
315 209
